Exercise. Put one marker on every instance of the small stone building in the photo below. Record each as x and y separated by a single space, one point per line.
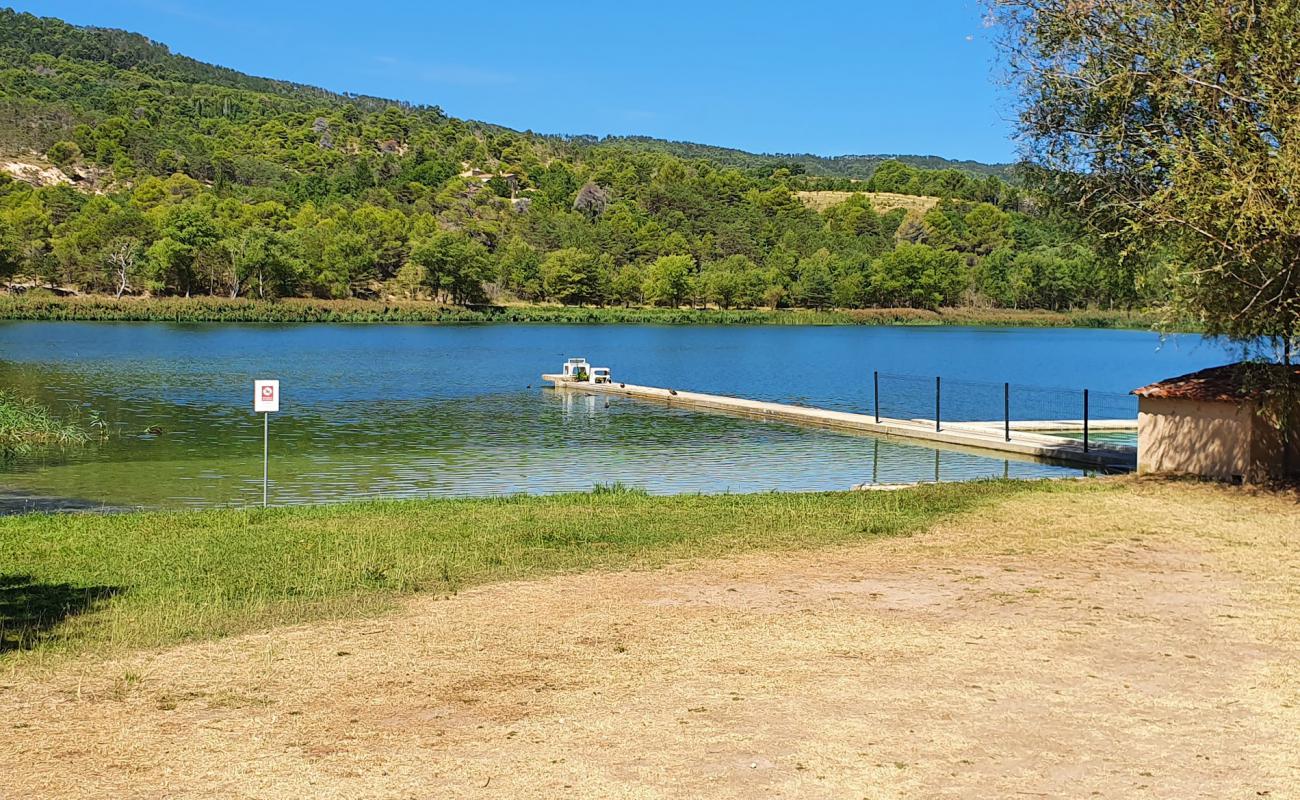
1222 422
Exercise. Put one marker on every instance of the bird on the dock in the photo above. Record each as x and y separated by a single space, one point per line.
622 386
673 392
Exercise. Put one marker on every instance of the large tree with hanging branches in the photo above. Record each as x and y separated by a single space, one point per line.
1173 126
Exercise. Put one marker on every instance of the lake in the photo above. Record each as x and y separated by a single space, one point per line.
405 411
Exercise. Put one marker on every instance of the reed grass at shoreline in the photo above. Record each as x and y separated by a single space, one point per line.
90 308
25 424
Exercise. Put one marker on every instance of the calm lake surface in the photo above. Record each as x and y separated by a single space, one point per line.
402 411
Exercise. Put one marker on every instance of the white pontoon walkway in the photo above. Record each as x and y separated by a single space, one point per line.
1028 442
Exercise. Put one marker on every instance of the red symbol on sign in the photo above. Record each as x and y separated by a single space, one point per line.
268 392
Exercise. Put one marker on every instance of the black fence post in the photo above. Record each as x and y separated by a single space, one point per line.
875 403
1006 410
1085 420
936 403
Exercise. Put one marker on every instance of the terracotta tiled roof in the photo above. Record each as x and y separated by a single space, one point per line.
1227 383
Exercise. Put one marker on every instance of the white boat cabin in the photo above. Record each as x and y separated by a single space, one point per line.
577 369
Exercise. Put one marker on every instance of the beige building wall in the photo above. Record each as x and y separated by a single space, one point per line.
1222 440
1267 443
1194 437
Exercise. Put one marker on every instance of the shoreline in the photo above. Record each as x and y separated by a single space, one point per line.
97 308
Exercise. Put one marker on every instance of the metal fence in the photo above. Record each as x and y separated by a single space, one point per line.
1017 407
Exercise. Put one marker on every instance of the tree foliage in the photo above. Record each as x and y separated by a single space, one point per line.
1172 128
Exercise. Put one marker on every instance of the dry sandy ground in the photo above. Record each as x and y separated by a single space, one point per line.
1138 643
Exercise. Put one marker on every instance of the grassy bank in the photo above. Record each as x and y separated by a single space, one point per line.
25 424
215 309
89 583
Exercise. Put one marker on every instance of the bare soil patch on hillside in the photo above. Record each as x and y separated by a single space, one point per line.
1135 643
915 205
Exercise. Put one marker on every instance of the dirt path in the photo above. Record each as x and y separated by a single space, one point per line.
1141 643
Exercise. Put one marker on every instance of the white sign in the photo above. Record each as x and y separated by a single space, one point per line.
266 396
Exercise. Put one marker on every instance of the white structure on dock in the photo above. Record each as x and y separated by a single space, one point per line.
577 370
575 367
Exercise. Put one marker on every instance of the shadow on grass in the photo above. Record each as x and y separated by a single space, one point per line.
31 612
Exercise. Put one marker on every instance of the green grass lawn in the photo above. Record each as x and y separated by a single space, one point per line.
83 583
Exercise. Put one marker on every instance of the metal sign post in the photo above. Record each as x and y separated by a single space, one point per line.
266 401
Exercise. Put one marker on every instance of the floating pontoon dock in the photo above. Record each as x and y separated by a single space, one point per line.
1028 441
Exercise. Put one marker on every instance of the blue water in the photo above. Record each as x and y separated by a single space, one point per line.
421 410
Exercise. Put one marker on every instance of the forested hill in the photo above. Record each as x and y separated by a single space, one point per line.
25 38
142 171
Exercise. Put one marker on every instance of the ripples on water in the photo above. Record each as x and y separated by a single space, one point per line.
404 411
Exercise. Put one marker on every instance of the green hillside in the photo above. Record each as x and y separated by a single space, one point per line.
132 169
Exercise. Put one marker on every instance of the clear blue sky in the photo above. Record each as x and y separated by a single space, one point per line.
828 78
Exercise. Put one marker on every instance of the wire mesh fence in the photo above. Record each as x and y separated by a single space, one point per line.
1072 412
